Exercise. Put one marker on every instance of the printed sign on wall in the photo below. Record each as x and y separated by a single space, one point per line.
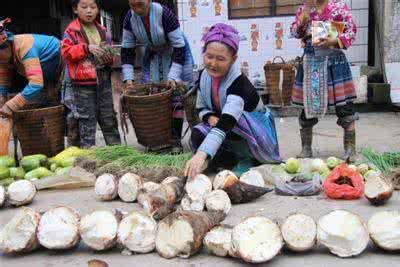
255 37
279 35
193 8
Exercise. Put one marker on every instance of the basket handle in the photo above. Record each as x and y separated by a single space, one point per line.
279 57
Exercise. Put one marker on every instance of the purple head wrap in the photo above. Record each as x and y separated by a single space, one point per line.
223 33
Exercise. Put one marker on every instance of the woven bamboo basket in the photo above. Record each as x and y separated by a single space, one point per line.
189 103
149 108
273 79
41 130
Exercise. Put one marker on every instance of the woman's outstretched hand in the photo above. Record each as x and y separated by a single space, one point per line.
196 164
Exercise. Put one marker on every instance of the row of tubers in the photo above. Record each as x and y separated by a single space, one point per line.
182 233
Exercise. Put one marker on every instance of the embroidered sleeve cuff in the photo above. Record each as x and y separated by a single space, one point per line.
16 103
175 73
128 72
212 142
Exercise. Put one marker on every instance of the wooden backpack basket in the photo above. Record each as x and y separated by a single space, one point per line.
149 108
273 80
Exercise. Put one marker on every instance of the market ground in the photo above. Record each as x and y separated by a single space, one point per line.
380 131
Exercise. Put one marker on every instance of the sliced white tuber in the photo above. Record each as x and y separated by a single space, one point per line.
377 190
200 185
19 235
128 187
218 200
106 187
219 241
151 186
343 233
21 192
137 232
256 239
59 228
98 230
253 177
220 178
2 196
192 202
181 233
299 232
384 229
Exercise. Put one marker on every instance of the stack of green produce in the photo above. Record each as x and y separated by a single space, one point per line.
7 169
38 166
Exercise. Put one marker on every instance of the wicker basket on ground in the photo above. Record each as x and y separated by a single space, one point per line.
273 80
149 108
40 130
189 103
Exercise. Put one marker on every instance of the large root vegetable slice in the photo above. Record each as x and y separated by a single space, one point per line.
240 192
2 196
218 200
256 239
192 202
200 185
128 187
180 234
98 230
219 241
106 187
299 232
377 190
59 228
137 232
384 229
19 235
343 233
161 202
253 177
21 192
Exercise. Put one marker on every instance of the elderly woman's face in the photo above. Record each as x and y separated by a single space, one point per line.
140 7
218 59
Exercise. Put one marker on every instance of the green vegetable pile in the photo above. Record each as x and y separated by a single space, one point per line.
385 162
120 159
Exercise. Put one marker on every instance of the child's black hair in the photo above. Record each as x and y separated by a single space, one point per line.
75 3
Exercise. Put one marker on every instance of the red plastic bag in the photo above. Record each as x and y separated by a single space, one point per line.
335 184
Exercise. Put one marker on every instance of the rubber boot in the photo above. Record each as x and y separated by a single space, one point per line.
306 135
349 142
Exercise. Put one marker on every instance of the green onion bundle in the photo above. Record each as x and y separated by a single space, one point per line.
384 162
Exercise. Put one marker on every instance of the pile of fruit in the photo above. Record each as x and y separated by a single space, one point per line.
307 168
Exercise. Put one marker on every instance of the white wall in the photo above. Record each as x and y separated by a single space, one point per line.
266 50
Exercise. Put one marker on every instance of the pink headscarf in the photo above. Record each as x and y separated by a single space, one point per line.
223 33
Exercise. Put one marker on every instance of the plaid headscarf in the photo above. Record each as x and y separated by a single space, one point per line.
223 33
